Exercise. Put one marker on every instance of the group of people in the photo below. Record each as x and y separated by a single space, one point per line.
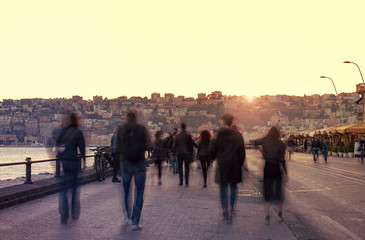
131 141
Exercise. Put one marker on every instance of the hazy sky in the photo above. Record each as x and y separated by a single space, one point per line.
52 49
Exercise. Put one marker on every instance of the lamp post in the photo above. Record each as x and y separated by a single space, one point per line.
360 89
332 82
358 68
336 95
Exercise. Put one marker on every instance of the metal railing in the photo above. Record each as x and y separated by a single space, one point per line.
28 164
28 167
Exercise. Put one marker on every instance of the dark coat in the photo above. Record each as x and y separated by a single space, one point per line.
122 149
73 139
273 151
229 150
183 143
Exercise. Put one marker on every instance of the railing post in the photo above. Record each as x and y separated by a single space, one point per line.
58 168
28 171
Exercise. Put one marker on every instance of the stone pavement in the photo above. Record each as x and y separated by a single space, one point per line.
170 212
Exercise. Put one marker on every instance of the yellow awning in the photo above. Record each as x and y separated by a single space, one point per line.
357 128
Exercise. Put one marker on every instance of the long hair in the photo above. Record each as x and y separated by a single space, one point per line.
274 134
73 120
158 136
204 137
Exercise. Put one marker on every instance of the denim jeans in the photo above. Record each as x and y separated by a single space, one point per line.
223 190
325 153
70 179
186 158
138 171
315 153
173 161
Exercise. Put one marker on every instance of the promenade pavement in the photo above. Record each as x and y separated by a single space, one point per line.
170 212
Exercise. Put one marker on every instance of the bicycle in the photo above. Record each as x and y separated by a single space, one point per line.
102 160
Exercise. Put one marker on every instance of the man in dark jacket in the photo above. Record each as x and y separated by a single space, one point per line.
316 145
131 142
229 149
183 149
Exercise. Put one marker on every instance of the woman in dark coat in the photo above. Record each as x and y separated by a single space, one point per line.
203 153
229 150
72 139
273 151
159 153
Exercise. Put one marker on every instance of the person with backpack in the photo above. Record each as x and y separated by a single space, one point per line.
183 149
131 142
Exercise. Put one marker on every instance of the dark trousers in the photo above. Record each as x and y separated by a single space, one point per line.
186 159
204 160
69 181
158 163
116 166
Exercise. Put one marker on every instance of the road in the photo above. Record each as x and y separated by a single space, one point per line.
322 200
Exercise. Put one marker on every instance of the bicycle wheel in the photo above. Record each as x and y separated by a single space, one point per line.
99 168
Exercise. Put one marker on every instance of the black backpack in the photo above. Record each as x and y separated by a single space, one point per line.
134 143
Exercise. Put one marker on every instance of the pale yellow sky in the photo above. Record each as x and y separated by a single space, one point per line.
52 49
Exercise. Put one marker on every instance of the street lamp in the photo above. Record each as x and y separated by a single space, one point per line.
358 68
336 95
331 81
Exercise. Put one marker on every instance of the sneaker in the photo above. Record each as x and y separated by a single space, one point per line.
205 185
267 220
159 182
136 227
180 184
280 217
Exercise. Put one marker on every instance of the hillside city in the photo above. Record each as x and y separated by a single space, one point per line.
31 122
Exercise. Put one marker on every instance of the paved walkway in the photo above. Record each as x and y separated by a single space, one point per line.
170 212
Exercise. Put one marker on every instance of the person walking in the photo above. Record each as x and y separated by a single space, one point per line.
316 144
305 146
229 149
72 140
273 151
183 149
324 146
131 142
116 161
290 147
159 153
362 148
170 141
203 153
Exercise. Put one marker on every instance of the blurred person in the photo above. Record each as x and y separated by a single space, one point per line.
183 150
116 161
324 146
305 146
159 153
361 148
203 153
195 152
229 149
170 141
290 147
72 140
131 142
273 151
315 146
